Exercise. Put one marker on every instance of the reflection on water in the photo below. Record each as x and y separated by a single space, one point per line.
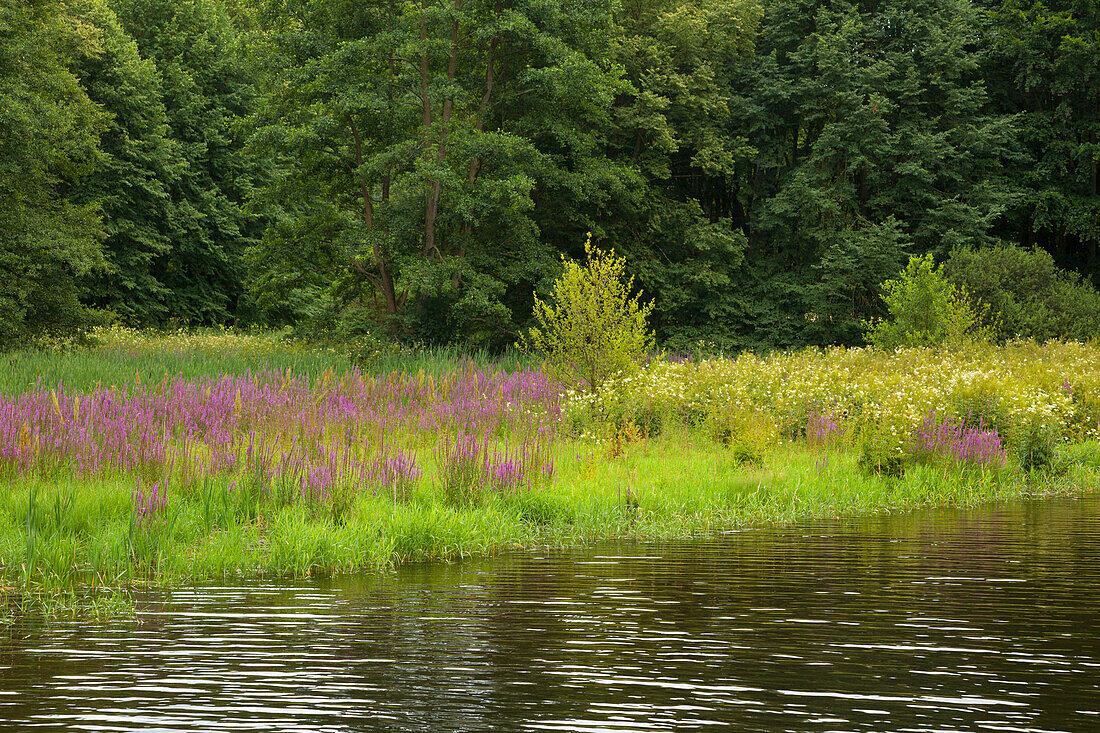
978 620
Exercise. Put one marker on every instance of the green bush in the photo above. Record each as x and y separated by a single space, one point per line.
648 417
879 454
1027 295
1035 446
925 309
592 329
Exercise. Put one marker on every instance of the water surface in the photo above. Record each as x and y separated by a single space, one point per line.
980 620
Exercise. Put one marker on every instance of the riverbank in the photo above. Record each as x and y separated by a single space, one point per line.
273 473
82 535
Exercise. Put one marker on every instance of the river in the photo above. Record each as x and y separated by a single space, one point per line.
950 620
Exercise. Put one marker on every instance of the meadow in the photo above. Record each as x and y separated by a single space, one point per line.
153 459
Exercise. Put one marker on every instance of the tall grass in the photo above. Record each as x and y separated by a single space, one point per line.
90 533
334 467
438 361
119 356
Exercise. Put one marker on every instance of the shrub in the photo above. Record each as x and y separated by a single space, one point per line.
879 454
1027 295
825 430
747 433
952 439
622 436
469 467
925 309
1035 445
591 329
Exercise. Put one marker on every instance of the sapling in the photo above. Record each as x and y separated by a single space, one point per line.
591 329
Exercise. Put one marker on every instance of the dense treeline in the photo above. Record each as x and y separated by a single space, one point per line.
419 168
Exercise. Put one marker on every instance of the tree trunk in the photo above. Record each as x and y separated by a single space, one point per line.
384 281
431 208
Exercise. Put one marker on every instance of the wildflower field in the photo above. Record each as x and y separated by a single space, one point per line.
283 461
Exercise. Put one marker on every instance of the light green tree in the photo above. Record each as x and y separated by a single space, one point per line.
591 329
925 309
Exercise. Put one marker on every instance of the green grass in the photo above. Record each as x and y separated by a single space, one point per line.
118 356
118 362
59 537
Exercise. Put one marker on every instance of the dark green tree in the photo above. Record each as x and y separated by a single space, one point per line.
206 95
1044 65
875 136
673 127
1025 294
419 149
140 165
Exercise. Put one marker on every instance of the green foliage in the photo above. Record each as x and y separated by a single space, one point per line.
1035 445
1027 294
205 94
748 434
49 132
592 329
925 309
132 185
416 170
679 224
873 136
404 183
1043 65
879 455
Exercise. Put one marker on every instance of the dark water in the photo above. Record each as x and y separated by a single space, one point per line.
945 621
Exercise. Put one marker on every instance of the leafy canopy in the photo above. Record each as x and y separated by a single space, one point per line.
592 329
49 135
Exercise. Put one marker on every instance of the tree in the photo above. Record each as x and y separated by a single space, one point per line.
1043 65
874 136
678 224
925 309
49 131
592 329
1026 294
140 165
411 143
206 95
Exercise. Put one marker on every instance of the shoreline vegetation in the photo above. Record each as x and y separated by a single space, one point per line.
152 460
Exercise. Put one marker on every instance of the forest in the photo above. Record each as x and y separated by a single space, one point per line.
417 170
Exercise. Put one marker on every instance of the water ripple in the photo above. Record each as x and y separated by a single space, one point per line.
949 621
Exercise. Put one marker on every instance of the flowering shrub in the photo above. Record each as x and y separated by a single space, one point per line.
951 438
276 437
150 508
470 465
396 473
1014 390
824 430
